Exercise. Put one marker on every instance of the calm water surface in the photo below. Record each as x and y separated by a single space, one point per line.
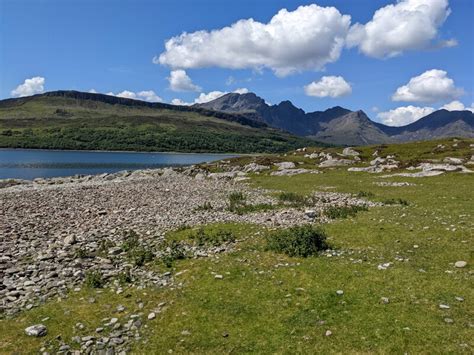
30 164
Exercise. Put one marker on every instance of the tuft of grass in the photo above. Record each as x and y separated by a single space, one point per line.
174 250
335 212
82 253
94 279
206 206
219 237
125 277
365 194
396 201
131 241
292 198
300 241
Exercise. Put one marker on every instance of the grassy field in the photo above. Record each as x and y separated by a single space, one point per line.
272 303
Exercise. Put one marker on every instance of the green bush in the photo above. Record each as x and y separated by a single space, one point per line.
131 241
302 241
173 251
140 255
94 279
125 277
365 194
236 199
334 212
396 201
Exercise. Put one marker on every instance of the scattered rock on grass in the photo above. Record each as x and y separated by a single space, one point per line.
37 330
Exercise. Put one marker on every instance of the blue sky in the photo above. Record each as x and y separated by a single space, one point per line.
109 46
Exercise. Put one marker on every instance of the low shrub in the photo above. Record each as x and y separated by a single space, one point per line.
292 198
236 199
131 241
125 277
206 206
94 279
301 241
173 251
365 194
140 255
334 212
395 201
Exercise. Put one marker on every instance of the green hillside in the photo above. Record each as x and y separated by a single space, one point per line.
75 120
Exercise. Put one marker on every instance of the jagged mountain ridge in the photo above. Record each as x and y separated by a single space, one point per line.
338 125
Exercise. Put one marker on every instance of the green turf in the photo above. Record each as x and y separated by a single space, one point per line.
262 307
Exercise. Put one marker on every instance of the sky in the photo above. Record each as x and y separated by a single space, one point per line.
396 60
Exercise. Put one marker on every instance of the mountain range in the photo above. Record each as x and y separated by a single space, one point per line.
241 123
338 125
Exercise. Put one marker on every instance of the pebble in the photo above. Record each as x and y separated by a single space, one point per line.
151 316
328 333
444 306
219 277
460 264
385 300
448 320
339 292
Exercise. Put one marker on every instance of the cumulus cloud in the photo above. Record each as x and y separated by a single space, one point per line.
328 86
147 95
304 39
395 28
241 91
404 115
29 87
206 97
458 106
431 86
180 81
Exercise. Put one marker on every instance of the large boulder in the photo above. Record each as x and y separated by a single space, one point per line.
330 163
350 152
285 165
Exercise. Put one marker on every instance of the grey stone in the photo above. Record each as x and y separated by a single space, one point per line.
37 330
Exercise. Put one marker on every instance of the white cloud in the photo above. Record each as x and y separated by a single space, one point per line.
241 91
202 98
29 87
458 106
395 28
431 86
147 95
304 39
93 91
328 86
206 97
180 102
127 94
180 81
404 115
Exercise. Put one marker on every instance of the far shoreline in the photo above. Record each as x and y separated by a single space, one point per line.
128 151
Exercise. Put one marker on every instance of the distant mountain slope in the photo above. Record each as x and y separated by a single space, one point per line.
338 125
78 120
353 128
